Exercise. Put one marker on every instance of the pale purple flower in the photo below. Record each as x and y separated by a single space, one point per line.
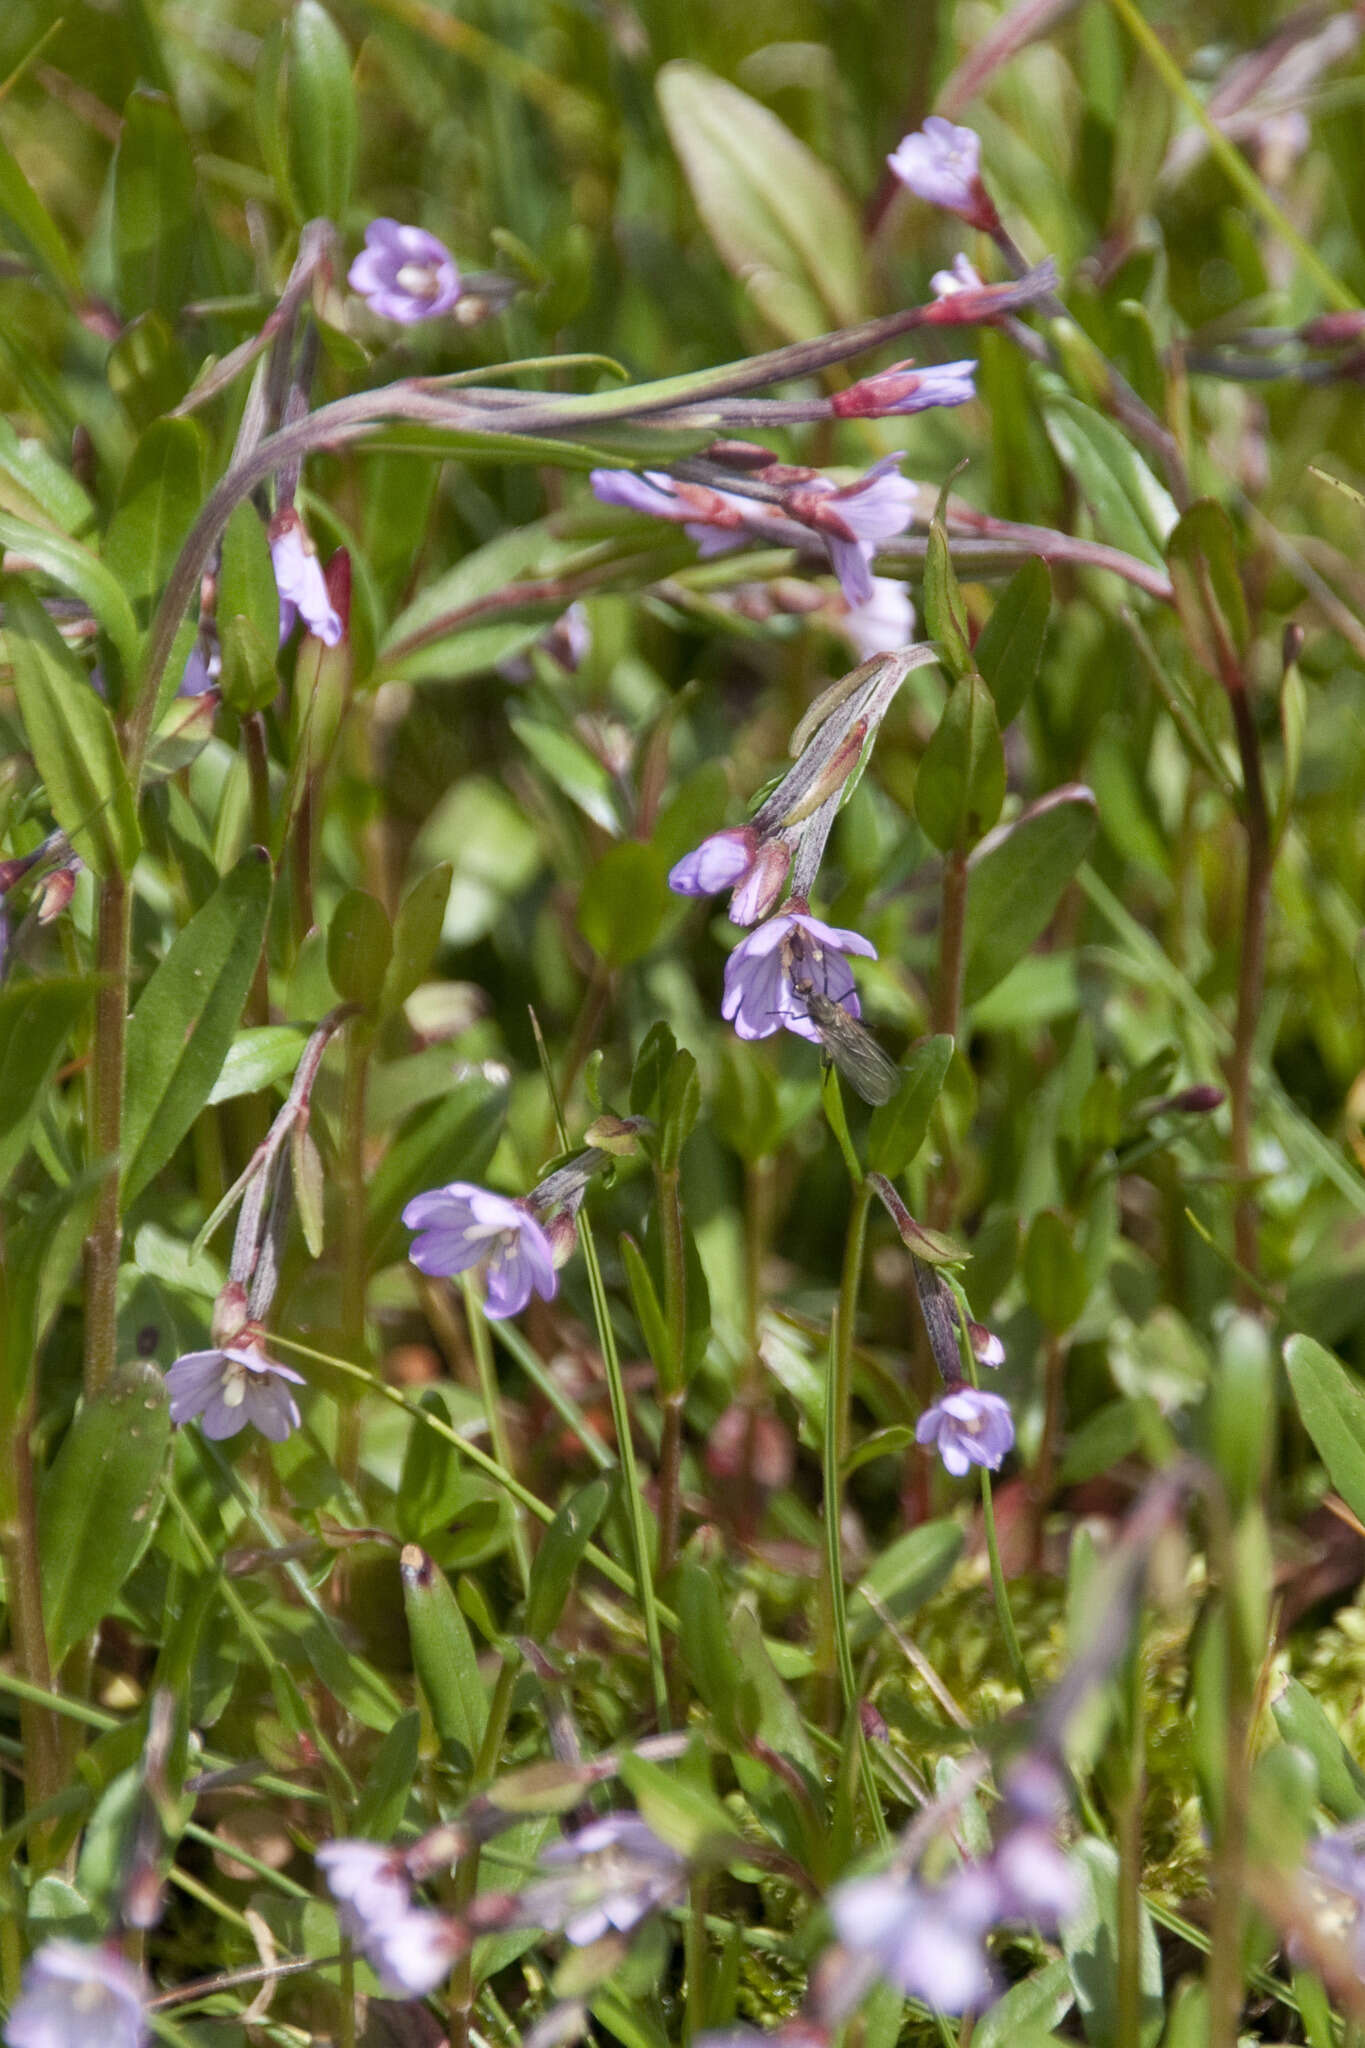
904 389
231 1386
569 638
369 1883
883 623
403 273
926 1940
1037 1880
461 1226
721 861
412 1953
300 581
986 1346
761 995
78 1997
757 892
963 277
611 1874
969 1428
941 164
714 520
202 669
853 520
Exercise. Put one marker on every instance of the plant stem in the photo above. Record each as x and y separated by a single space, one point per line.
359 1040
482 1346
1001 1591
461 1999
104 1243
630 1471
672 1389
258 773
951 932
44 1747
1045 1466
1129 1831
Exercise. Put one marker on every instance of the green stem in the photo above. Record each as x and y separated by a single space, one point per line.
482 1346
951 932
104 1243
1129 1985
1001 1592
625 1450
359 1041
838 1399
461 1995
1230 157
44 1745
671 1391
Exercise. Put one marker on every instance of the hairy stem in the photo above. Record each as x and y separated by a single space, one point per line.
951 932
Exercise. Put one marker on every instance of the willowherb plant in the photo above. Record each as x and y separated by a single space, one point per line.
526 1587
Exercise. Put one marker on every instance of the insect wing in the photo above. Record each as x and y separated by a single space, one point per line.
854 1051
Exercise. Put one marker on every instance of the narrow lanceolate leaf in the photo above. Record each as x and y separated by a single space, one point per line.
1011 641
780 219
153 207
443 1655
1015 881
944 612
27 220
562 1549
35 1020
80 572
72 737
320 113
99 1502
1332 1407
961 782
179 1034
416 935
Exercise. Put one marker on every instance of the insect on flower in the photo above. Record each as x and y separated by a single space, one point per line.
847 1043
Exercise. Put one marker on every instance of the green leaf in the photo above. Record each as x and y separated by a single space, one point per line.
1054 1271
321 123
80 572
649 1313
34 486
36 1018
944 612
75 748
378 1813
359 948
679 1108
781 221
1202 558
622 903
246 580
154 207
1332 1406
1090 1940
898 1129
961 781
1028 2010
1302 1721
158 500
1015 881
443 1656
99 1502
683 1814
307 1179
257 1057
582 778
416 935
179 1034
1010 644
42 1253
1130 508
28 221
558 1557
906 1574
704 1641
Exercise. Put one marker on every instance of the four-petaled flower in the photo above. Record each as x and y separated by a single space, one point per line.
853 519
611 1874
231 1386
300 581
941 164
461 1226
78 1997
771 972
903 388
926 1940
968 1427
404 273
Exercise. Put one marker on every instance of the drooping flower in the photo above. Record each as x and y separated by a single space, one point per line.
300 581
904 389
611 1874
412 1953
404 273
963 277
769 969
721 861
927 1940
941 164
968 1427
231 1386
883 623
461 1226
78 1997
